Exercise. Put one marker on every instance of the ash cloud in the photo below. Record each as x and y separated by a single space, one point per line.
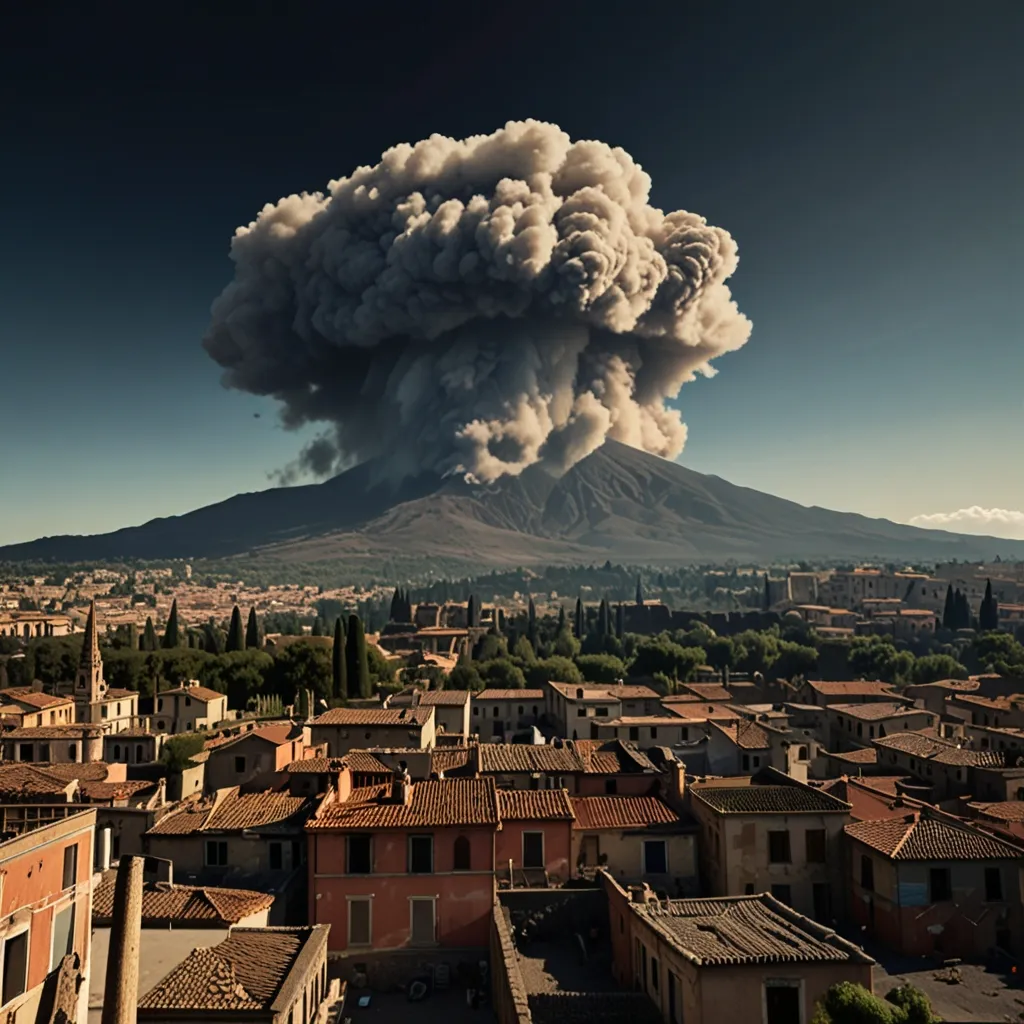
477 306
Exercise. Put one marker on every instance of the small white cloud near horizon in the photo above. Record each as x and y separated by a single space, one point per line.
994 522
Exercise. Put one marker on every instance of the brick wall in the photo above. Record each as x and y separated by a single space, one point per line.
508 993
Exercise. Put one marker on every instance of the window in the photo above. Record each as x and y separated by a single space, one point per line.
745 761
239 764
611 786
581 713
72 751
782 1001
359 927
26 752
216 853
15 965
44 751
138 753
634 732
63 935
276 857
815 838
757 761
476 711
673 999
103 711
602 712
748 889
188 702
655 980
778 848
940 885
533 849
461 857
993 885
534 710
117 751
654 732
821 894
422 923
160 704
359 855
421 855
520 711
655 857
70 866
579 693
495 715
782 894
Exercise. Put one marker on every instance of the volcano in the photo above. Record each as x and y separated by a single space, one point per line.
618 503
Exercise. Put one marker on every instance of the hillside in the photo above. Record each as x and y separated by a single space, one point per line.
618 503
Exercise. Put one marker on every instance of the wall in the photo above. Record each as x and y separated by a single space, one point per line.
508 993
453 719
244 854
663 732
464 898
341 739
485 723
508 845
624 852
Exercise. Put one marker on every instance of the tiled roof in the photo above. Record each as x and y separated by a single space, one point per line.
449 759
701 711
243 973
115 790
55 732
132 732
164 904
445 698
611 757
435 803
277 734
498 694
865 687
596 812
767 799
673 721
923 837
236 811
316 765
709 691
745 930
940 751
365 762
34 698
863 755
90 771
1004 810
375 716
990 703
201 693
630 691
745 734
525 757
534 805
116 693
21 780
873 712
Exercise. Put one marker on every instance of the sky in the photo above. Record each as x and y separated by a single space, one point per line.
867 158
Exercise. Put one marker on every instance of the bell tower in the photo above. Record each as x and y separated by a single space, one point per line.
90 685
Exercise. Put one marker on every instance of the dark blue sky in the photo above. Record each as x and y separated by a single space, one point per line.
868 158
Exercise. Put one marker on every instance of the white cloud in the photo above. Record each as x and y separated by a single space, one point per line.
995 522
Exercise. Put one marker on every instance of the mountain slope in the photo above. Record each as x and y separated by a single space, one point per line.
618 503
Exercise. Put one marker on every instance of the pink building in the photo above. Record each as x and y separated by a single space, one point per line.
533 846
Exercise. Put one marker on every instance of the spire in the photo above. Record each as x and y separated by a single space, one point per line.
91 641
89 682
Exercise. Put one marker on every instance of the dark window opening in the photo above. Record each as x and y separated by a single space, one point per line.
815 838
239 764
15 966
70 866
655 857
778 848
783 894
276 857
782 1004
216 853
940 884
461 854
611 786
533 849
993 885
867 873
421 855
634 732
359 855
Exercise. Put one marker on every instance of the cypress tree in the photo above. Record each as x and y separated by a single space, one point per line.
133 636
604 623
339 663
531 628
213 638
236 635
639 594
407 606
171 637
620 621
472 611
357 667
318 627
561 618
396 604
767 593
988 614
948 611
149 635
252 631
579 619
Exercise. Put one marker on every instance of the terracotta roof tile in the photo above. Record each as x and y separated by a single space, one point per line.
449 759
534 805
702 711
709 691
34 698
374 716
445 698
923 837
55 732
597 812
941 751
525 757
164 904
767 799
864 755
365 762
860 686
745 930
115 790
611 757
873 712
245 972
236 811
1004 810
494 693
116 693
316 765
22 780
745 734
435 803
201 693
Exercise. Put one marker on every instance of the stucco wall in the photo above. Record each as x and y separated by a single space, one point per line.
508 845
624 851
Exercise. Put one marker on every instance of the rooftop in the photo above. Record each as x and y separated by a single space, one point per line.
1004 810
940 751
54 732
200 693
745 930
864 755
611 757
235 811
317 765
874 712
860 686
34 698
194 905
597 812
745 734
245 972
497 694
449 759
600 692
709 691
768 799
445 698
525 757
920 836
395 717
534 805
434 803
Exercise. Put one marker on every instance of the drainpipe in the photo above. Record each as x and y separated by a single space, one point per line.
121 992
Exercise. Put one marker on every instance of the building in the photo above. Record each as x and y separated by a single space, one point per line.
856 692
636 839
944 766
533 847
451 709
95 702
276 975
741 958
771 833
851 726
498 714
614 767
136 745
189 708
405 864
570 706
25 707
46 867
255 758
926 883
1000 712
29 625
525 766
345 729
60 744
748 745
650 731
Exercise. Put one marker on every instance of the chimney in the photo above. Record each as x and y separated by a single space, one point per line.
121 992
401 786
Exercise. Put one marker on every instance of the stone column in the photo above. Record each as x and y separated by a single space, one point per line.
120 994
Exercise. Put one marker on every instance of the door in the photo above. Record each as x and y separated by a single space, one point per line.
589 851
782 1004
423 931
822 903
533 849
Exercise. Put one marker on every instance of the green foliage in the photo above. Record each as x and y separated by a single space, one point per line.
253 639
500 673
998 652
601 668
565 645
339 664
382 671
794 660
847 1003
660 654
149 641
172 635
876 658
357 667
243 674
491 646
720 652
933 667
301 665
553 669
464 677
988 614
178 750
236 634
523 650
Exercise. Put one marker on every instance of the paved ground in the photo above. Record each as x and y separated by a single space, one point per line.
438 1008
561 967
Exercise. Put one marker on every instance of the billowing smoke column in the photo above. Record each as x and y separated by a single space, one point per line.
478 306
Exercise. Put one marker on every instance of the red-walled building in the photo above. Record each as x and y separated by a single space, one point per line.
404 864
533 846
45 912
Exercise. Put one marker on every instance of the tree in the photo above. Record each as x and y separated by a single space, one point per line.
502 673
561 619
659 654
464 677
531 624
988 614
244 674
214 640
565 645
356 666
604 621
149 636
252 631
553 669
339 664
523 651
848 1003
601 668
949 610
721 652
620 620
396 606
318 627
579 620
171 633
933 667
178 751
472 611
767 593
236 634
302 665
639 594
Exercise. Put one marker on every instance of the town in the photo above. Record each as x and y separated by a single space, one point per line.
288 803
